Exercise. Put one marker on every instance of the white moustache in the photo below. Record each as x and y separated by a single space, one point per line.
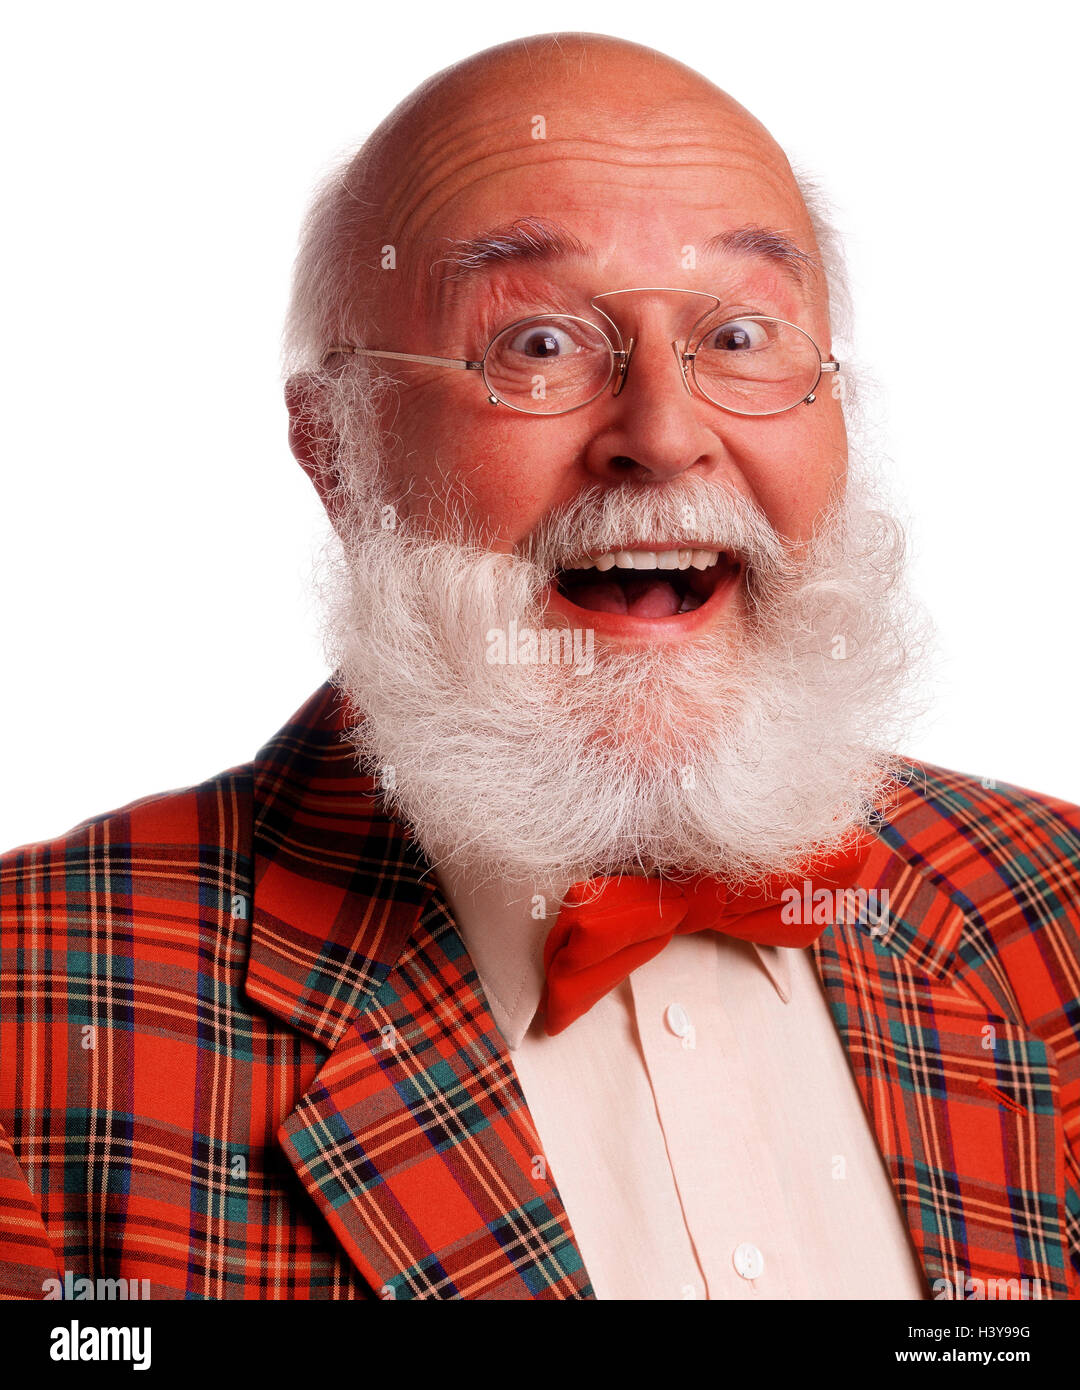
688 514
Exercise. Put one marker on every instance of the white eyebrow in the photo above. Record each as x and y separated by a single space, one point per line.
525 239
769 244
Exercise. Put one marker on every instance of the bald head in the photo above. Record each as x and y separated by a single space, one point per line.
536 130
549 98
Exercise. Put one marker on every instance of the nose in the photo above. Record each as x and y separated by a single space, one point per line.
655 429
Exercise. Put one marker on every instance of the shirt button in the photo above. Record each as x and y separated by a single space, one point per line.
748 1260
677 1020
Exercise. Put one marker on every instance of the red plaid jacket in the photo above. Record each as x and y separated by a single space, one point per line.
244 1053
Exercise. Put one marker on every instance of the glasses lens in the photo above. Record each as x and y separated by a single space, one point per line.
547 365
756 365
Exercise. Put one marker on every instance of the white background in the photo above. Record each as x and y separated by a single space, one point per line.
158 539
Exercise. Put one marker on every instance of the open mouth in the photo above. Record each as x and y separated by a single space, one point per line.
647 583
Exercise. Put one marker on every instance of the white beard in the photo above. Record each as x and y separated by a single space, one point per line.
738 753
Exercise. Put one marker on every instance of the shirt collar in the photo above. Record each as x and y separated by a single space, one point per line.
504 930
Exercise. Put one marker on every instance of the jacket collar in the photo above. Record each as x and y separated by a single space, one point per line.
414 1139
339 886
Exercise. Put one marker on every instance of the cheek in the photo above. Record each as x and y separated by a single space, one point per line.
508 469
794 465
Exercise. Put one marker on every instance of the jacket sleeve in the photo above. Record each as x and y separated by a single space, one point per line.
27 1258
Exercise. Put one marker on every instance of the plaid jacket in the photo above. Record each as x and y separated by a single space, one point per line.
244 1053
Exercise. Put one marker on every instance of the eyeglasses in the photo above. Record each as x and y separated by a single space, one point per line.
550 364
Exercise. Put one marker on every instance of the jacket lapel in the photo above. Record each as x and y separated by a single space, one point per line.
963 1099
412 1137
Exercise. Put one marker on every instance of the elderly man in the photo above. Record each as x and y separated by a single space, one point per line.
582 936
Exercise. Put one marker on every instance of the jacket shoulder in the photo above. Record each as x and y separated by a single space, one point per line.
1009 858
174 845
961 827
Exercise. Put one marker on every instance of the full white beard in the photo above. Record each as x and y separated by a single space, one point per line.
740 754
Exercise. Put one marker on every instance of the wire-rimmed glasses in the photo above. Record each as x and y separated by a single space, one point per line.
552 363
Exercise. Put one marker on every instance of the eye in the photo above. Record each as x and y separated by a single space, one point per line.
738 335
542 341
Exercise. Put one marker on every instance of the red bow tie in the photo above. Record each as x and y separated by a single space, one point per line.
610 926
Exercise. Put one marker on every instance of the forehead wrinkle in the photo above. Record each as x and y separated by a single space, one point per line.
420 179
429 140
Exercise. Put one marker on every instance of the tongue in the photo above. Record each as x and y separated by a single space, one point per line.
651 598
641 598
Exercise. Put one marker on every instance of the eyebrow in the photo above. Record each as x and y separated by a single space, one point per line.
767 243
536 240
527 240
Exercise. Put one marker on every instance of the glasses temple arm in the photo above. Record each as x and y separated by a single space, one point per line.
461 363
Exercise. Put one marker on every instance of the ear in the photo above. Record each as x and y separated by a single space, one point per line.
308 434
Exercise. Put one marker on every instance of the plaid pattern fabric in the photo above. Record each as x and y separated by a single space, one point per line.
244 1053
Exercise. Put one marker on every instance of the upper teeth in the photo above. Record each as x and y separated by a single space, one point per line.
650 560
